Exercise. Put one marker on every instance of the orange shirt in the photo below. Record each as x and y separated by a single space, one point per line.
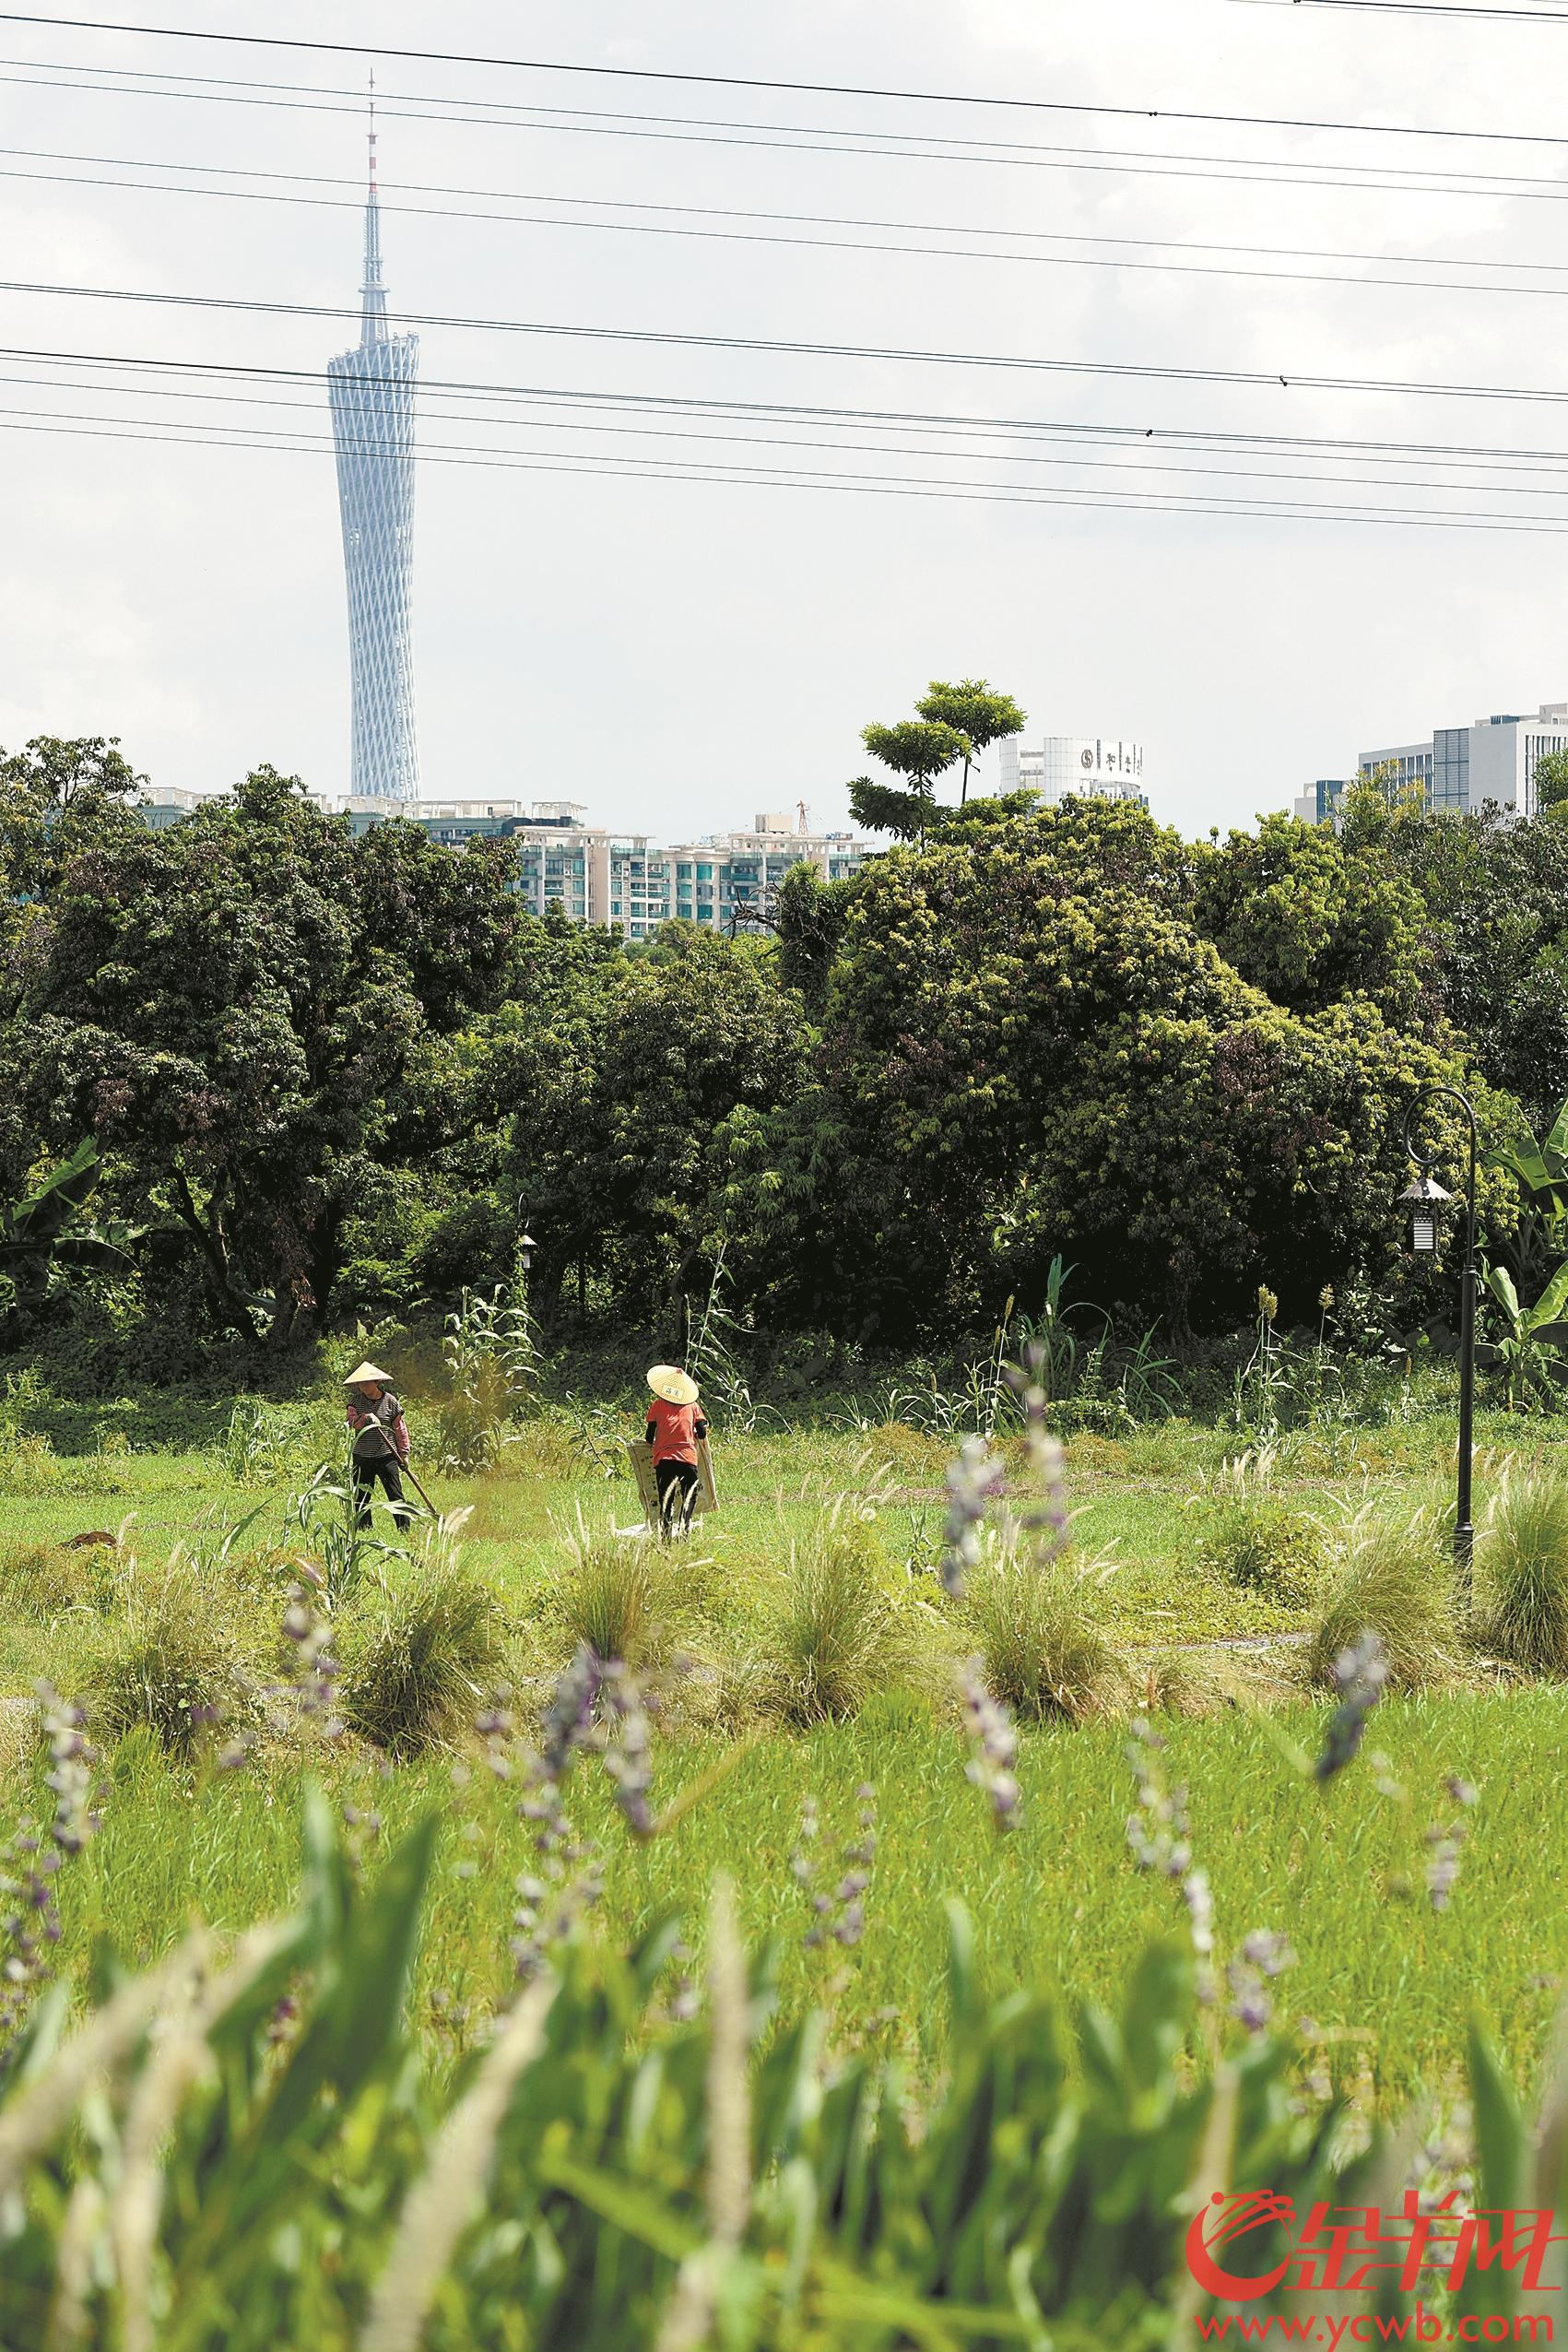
676 1431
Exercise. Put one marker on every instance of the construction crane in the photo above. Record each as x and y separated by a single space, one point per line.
802 826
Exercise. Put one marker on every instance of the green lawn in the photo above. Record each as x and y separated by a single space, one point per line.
1387 1984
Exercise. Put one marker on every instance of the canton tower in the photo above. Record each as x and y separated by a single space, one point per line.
371 390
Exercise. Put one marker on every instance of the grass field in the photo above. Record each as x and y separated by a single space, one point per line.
1386 1983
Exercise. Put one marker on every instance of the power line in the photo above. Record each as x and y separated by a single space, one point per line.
1150 461
773 347
728 213
895 487
1431 9
375 51
1394 179
657 403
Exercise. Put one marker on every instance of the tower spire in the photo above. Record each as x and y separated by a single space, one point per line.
373 293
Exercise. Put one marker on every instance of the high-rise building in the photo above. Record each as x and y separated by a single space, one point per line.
1456 768
372 389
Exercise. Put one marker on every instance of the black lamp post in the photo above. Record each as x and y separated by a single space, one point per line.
1426 1200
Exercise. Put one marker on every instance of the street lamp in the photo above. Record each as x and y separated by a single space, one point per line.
527 1245
1426 1200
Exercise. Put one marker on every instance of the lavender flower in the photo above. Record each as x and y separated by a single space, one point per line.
992 1765
1446 1843
1262 1957
841 1914
316 1671
30 1863
1047 1519
569 1718
1359 1674
627 1759
973 1480
1158 1839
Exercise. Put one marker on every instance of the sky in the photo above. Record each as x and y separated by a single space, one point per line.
602 616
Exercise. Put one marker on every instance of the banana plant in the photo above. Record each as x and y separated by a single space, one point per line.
41 1235
1529 1359
1542 1172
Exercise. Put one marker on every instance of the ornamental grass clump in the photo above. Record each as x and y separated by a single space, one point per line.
835 1635
1394 1582
415 1672
1264 1546
176 1668
619 1597
1524 1572
1043 1651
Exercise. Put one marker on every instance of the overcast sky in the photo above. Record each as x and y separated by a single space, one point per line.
679 653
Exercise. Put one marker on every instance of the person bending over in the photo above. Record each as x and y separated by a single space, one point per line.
676 1428
381 1442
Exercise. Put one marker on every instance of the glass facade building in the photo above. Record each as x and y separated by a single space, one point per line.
1457 769
372 392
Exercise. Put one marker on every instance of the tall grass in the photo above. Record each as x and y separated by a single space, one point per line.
834 1634
424 1662
1392 1580
1045 1650
1524 1564
620 1596
173 1664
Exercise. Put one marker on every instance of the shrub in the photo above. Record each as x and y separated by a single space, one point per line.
177 1668
1264 1546
1524 1560
1394 1582
422 1665
620 1596
1044 1651
834 1635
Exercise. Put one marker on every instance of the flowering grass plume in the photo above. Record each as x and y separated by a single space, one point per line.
973 1480
992 1762
317 1673
1159 1838
841 1913
627 1753
1045 1518
1360 1675
1444 1843
30 1863
1262 1957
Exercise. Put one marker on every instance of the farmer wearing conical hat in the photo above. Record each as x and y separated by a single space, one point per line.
380 1441
676 1426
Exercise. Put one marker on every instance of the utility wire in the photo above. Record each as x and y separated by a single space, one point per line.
660 403
375 51
805 219
871 486
1394 179
1150 462
671 339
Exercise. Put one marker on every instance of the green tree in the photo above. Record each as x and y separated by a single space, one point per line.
1309 921
977 711
1551 781
921 749
1027 1051
230 1008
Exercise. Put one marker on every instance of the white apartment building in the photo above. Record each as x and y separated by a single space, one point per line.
1458 768
1095 767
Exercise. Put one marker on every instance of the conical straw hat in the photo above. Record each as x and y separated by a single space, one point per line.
677 1387
367 1375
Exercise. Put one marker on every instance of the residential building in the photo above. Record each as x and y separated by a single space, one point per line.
372 394
1456 768
1095 767
616 879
